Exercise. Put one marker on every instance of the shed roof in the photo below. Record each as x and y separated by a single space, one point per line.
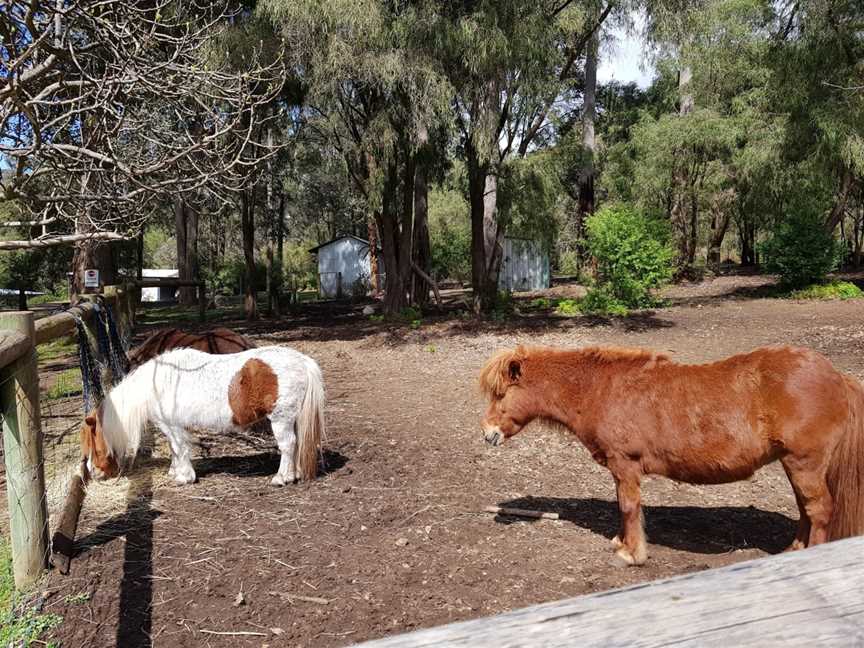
315 249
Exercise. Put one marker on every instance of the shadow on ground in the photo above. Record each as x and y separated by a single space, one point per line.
706 530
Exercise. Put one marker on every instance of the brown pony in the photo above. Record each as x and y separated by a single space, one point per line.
639 413
218 341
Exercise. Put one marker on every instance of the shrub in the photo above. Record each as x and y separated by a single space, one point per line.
633 254
834 290
601 301
800 250
568 307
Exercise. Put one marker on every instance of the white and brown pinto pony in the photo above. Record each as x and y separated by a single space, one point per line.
186 388
639 413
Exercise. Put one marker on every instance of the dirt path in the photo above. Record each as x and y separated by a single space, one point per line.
390 537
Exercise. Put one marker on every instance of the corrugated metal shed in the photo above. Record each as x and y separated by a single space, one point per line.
344 267
524 266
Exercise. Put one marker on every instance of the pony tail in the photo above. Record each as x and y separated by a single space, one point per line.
846 470
310 422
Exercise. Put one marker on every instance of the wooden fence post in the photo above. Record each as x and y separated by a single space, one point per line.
22 448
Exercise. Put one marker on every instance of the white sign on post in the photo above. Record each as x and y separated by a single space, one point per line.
91 278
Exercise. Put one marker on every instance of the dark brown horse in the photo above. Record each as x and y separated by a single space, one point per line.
639 413
217 341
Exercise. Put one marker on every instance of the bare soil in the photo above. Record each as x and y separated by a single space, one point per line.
390 538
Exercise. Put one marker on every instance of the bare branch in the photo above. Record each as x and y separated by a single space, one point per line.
62 239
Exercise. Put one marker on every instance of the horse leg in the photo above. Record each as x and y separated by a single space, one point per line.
632 550
181 469
286 439
808 480
802 535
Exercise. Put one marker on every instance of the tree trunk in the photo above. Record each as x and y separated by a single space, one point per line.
685 98
589 143
487 236
247 215
394 296
374 273
139 269
847 182
719 225
93 255
186 234
422 247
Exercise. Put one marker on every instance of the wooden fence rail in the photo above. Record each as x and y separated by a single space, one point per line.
22 429
805 598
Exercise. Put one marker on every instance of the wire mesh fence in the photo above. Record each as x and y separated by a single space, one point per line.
73 373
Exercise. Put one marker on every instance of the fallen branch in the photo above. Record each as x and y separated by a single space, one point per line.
429 280
307 599
502 510
241 633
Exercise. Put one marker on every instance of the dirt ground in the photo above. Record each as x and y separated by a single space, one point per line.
390 538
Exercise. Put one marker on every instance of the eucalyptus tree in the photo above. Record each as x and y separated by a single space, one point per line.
379 99
513 66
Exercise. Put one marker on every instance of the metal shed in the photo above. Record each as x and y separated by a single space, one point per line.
161 294
344 267
524 266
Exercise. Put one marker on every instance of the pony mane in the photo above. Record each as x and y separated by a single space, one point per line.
494 378
607 355
125 410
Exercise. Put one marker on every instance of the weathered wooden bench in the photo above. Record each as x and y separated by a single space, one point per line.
812 598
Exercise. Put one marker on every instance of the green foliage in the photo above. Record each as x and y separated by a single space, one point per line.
601 300
20 624
568 307
449 234
633 255
801 250
842 290
160 248
541 303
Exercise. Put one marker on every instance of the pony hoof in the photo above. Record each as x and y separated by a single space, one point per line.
795 546
282 480
183 480
624 558
616 542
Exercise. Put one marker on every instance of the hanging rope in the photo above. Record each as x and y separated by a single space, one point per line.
91 382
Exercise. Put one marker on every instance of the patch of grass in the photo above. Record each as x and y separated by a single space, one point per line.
834 290
416 324
56 349
20 623
68 383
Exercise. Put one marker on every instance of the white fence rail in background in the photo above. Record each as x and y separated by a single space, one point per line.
803 599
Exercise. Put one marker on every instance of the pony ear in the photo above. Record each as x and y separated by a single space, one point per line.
514 370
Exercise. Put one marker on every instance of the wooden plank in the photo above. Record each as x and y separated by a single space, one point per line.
22 454
806 598
62 324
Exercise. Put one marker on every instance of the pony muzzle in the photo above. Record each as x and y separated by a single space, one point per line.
494 436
